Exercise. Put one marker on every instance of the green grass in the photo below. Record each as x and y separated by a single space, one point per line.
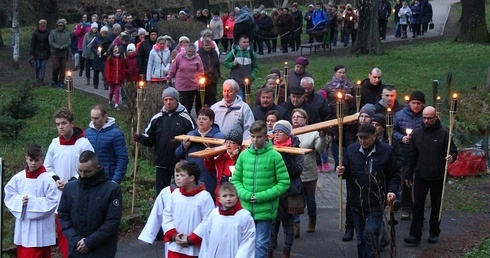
482 251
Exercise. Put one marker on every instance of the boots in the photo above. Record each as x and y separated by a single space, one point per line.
311 224
296 229
286 252
349 234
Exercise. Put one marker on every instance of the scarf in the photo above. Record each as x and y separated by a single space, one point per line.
232 211
192 192
339 83
286 143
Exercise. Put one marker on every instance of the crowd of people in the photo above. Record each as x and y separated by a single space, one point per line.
244 191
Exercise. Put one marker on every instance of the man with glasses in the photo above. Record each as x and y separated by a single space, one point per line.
373 178
425 172
372 87
405 122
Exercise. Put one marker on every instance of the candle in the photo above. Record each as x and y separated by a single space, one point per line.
407 99
454 103
339 96
68 74
389 125
409 131
358 95
202 89
438 106
285 68
227 27
99 51
350 18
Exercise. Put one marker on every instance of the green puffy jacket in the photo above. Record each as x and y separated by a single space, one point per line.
261 172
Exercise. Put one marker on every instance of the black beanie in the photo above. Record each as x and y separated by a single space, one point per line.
417 95
235 137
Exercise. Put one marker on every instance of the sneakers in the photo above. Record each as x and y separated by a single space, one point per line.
116 107
52 83
326 167
319 168
432 239
412 240
61 85
406 215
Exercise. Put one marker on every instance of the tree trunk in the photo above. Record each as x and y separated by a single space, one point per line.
15 33
368 41
199 4
2 45
473 22
48 10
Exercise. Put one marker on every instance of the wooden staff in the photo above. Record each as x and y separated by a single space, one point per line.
340 118
358 96
69 90
286 81
202 90
276 91
389 125
247 91
139 107
452 114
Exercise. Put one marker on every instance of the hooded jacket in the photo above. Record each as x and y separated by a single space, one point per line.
402 120
115 69
59 41
186 72
91 208
162 129
247 66
110 147
39 48
263 173
158 63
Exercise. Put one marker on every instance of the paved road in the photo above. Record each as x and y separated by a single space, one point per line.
326 241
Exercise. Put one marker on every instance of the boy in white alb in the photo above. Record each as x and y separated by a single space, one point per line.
31 196
230 229
189 206
62 158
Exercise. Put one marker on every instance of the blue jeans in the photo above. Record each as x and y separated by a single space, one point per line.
241 93
263 229
40 69
368 230
398 31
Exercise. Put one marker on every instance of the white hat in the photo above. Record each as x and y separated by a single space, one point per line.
104 28
94 25
131 47
141 31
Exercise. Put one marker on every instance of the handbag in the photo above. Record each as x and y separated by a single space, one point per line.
296 204
431 25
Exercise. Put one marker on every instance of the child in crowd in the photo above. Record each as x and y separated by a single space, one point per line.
32 197
260 177
188 207
115 73
230 229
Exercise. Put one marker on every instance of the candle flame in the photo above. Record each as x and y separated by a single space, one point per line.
99 48
358 82
141 84
278 81
409 131
455 95
202 80
339 95
285 63
246 80
438 97
68 73
407 97
388 109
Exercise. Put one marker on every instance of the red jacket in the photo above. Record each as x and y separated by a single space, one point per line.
132 73
115 70
220 167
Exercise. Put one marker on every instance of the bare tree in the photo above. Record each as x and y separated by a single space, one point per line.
15 33
473 22
368 41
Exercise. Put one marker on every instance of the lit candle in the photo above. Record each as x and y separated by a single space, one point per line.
68 74
454 103
99 51
438 106
285 68
358 95
407 99
350 18
409 131
227 27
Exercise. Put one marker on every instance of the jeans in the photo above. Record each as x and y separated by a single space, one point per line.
420 189
309 189
398 31
40 69
368 225
335 35
263 229
287 226
241 92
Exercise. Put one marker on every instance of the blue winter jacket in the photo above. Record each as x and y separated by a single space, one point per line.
319 19
207 178
110 147
402 120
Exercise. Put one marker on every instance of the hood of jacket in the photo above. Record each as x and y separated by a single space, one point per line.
111 121
180 108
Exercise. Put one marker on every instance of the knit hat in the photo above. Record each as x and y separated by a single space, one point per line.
167 37
303 61
283 125
297 90
94 25
206 32
379 118
131 47
417 95
368 109
43 22
141 31
275 71
126 37
184 38
104 28
153 31
366 130
311 6
170 92
234 136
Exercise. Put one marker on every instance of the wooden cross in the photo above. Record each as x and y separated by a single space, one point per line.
292 150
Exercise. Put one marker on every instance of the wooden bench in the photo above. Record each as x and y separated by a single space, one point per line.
325 35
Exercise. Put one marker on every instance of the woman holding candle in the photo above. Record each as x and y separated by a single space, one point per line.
349 26
309 176
115 73
228 33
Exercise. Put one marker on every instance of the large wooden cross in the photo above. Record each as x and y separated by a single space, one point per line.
292 150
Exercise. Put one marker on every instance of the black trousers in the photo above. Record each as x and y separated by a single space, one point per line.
420 189
163 178
406 196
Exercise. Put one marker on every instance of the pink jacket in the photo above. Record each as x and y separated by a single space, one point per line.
80 30
186 72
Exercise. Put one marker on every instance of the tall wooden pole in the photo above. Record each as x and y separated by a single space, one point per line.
139 108
247 91
340 118
452 114
69 90
389 125
286 81
358 95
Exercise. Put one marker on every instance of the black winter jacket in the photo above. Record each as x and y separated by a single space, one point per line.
162 129
428 148
91 209
39 48
370 177
370 93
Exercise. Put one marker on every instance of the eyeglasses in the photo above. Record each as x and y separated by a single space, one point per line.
428 117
